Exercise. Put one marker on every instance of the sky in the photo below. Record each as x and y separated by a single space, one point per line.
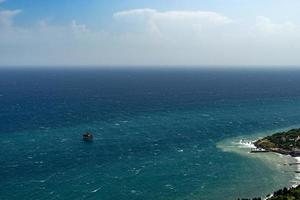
149 33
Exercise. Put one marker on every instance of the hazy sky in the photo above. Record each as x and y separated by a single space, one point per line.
149 32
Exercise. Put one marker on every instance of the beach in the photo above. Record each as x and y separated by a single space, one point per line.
285 165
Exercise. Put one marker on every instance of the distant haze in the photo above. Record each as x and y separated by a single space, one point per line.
149 33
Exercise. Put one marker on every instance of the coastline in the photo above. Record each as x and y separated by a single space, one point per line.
297 175
242 145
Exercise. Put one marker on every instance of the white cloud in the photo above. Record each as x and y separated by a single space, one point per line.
266 25
135 12
170 23
151 37
7 17
1 1
187 16
79 28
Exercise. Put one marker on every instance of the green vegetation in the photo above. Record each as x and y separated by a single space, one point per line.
285 143
282 194
288 141
287 194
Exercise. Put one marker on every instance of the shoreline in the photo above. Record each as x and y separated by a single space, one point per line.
296 163
297 184
274 160
286 144
296 159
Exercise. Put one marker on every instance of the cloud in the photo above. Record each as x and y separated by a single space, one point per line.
186 16
7 17
135 12
170 23
78 28
1 1
151 37
266 25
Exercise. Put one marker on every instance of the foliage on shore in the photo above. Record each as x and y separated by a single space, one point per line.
286 143
287 194
282 194
288 140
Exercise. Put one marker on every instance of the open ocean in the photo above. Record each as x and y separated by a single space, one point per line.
158 134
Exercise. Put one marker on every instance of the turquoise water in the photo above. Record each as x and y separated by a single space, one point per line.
158 134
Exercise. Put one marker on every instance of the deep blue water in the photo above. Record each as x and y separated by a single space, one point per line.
155 132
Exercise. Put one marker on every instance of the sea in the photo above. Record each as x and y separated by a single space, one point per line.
159 134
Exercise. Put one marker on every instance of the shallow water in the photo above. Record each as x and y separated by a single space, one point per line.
157 133
284 176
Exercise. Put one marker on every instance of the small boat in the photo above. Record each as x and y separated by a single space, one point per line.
88 137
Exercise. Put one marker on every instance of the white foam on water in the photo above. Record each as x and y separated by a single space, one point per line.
246 144
96 190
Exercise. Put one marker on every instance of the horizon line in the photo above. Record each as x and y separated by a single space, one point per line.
155 67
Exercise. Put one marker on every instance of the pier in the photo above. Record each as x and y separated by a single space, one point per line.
258 150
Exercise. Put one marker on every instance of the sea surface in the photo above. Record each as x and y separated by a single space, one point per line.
168 134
